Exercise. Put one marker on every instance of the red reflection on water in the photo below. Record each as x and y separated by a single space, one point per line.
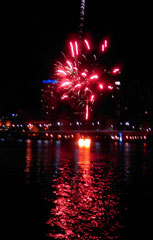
84 161
28 162
85 205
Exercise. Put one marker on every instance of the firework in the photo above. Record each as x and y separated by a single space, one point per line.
80 77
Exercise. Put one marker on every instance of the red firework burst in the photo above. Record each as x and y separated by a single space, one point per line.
79 78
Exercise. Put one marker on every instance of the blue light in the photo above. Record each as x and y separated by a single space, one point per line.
120 134
50 81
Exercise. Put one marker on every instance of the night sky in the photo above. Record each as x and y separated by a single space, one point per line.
33 36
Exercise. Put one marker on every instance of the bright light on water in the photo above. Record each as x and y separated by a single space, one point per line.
84 142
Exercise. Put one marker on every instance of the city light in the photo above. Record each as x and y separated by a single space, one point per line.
50 81
84 142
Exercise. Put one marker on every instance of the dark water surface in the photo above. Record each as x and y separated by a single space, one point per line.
55 190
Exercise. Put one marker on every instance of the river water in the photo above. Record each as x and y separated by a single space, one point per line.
58 190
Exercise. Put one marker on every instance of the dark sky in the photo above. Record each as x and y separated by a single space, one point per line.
33 36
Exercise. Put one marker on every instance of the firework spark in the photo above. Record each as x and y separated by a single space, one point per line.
87 111
87 44
79 80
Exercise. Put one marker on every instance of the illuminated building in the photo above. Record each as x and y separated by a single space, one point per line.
48 98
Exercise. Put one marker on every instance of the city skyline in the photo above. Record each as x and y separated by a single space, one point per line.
76 120
33 39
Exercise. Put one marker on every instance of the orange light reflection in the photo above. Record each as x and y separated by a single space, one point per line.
84 142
